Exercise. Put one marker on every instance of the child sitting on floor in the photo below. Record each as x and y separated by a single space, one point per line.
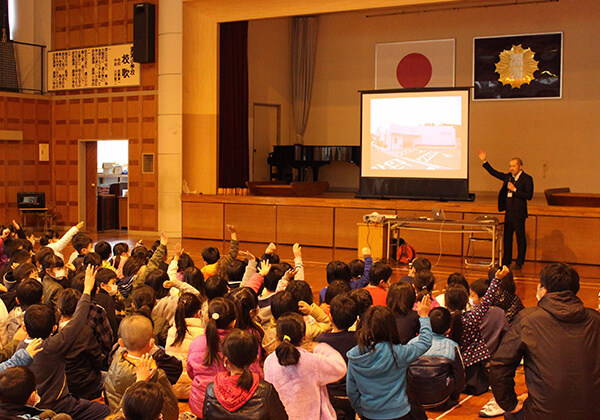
301 377
18 396
344 312
213 263
205 359
360 269
424 282
466 331
379 283
49 366
401 300
437 378
239 393
376 379
136 345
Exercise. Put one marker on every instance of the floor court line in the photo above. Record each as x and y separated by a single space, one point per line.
453 408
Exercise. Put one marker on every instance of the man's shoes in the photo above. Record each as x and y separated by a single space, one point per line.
516 267
491 409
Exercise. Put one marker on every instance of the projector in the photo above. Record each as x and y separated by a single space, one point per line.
378 218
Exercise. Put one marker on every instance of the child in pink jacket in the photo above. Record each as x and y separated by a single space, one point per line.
299 377
205 359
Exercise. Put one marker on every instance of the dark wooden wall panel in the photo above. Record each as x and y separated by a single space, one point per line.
114 113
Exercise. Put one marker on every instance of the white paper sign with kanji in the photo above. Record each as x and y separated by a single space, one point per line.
93 68
419 64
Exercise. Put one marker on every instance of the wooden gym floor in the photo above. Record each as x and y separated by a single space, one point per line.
315 260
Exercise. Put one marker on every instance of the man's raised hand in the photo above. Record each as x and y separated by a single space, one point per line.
482 155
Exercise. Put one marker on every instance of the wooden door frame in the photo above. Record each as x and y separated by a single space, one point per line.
251 144
82 183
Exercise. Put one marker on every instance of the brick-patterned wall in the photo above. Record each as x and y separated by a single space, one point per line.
116 113
20 169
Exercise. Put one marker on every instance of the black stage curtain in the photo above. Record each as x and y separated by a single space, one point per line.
233 105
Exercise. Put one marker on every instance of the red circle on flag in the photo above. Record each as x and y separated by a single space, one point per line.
414 71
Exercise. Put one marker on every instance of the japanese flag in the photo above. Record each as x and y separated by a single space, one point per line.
414 64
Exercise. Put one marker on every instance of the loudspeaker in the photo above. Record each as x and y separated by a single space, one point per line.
144 32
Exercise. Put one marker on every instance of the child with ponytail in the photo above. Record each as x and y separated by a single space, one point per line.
424 282
239 393
246 303
376 379
301 377
188 326
205 358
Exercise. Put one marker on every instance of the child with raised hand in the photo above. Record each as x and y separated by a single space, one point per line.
189 324
214 264
376 378
137 358
401 299
466 332
50 239
301 377
137 268
177 277
49 365
360 269
84 358
506 298
239 393
205 359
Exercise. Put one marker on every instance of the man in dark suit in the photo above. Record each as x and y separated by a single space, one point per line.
517 188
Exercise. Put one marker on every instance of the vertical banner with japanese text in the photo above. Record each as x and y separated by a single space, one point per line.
93 68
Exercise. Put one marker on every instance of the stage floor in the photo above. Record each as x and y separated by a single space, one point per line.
316 258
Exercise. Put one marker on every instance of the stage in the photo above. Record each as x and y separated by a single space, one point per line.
554 233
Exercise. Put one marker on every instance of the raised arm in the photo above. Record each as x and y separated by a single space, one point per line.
66 238
298 264
476 315
483 156
363 281
250 268
173 266
62 342
419 345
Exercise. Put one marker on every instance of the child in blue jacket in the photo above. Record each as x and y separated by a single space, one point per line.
376 378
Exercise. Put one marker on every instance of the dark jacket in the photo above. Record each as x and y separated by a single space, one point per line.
518 202
264 405
559 340
49 365
435 380
84 361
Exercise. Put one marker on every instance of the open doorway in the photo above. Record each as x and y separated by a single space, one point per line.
266 133
103 184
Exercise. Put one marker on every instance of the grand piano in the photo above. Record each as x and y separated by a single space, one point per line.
306 159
